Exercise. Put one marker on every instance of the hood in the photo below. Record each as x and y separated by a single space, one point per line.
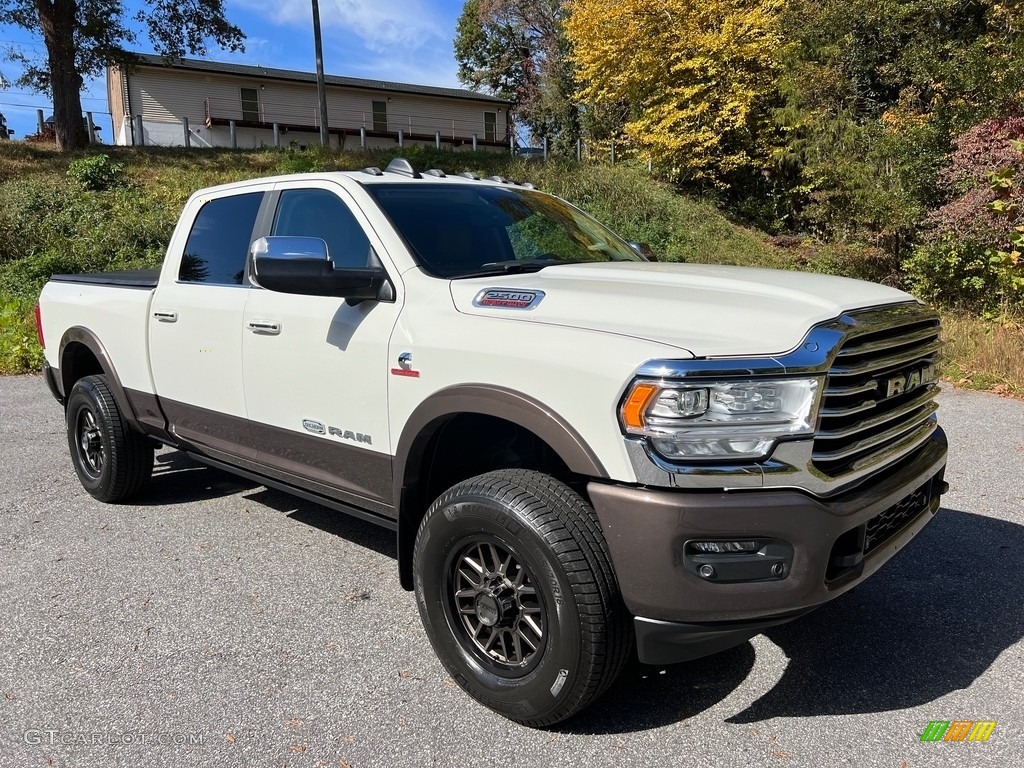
706 310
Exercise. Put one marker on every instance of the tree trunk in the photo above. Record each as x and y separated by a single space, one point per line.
58 20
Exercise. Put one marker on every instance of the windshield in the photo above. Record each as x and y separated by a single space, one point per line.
466 230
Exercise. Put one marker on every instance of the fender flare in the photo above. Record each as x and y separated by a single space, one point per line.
486 400
79 335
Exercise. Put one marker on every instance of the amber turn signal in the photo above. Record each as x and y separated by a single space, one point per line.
635 406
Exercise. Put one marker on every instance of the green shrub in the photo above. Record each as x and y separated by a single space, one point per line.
47 228
309 160
97 173
19 344
954 272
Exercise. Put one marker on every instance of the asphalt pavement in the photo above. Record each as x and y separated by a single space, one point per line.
218 623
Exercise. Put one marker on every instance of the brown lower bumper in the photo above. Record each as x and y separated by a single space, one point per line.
821 547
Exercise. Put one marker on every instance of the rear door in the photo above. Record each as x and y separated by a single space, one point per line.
195 328
316 368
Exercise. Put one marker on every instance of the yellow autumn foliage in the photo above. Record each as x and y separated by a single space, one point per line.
694 77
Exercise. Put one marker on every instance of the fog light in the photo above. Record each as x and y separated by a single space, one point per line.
732 561
719 547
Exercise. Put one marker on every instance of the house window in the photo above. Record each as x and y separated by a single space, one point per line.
491 126
250 104
380 116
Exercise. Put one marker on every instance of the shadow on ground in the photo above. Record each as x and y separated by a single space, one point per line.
177 479
930 622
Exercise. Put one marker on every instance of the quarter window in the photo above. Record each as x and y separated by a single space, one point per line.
319 213
218 244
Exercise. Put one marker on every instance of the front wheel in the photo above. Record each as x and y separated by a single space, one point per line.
111 459
517 594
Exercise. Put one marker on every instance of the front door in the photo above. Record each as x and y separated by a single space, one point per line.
315 368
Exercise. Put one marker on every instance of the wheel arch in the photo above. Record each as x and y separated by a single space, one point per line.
82 354
467 411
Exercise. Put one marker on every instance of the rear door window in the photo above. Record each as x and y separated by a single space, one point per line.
218 245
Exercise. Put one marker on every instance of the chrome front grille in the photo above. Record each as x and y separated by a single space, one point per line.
879 396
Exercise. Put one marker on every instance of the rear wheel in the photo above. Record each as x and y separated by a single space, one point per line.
517 595
111 459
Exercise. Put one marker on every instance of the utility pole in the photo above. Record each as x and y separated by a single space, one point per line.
321 86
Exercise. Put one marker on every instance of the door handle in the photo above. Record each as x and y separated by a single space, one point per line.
265 327
165 315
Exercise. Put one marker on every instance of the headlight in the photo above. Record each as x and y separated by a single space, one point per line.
723 420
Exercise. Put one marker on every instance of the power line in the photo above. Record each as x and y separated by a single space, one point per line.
26 93
44 107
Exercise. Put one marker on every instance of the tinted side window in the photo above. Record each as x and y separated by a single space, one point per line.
319 213
218 244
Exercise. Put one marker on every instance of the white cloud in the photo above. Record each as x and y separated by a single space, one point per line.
433 68
379 24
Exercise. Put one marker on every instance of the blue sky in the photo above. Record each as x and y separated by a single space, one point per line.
403 40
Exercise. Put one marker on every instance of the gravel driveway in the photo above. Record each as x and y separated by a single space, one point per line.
218 623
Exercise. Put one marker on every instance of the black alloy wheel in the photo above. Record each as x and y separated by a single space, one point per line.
517 594
111 459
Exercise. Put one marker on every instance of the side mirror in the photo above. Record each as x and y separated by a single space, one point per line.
644 250
302 265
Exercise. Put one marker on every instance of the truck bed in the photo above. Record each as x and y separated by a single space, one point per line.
125 278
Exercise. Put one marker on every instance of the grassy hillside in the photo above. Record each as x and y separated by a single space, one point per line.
49 222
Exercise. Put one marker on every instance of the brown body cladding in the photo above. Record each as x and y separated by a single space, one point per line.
347 473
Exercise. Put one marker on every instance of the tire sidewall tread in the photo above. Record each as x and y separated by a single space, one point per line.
128 462
558 536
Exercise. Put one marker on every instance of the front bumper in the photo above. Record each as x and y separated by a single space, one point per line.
834 544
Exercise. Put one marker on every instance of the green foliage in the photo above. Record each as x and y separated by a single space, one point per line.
309 160
47 227
871 95
676 227
954 273
97 173
490 54
971 254
19 347
698 79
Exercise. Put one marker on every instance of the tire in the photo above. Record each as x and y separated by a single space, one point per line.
517 594
112 460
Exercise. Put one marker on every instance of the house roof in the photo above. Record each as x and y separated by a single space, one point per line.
244 70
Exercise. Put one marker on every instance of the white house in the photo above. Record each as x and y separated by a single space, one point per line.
234 105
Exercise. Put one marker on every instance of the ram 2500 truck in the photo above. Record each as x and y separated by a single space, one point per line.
582 452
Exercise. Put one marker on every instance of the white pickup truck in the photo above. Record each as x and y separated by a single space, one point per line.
582 452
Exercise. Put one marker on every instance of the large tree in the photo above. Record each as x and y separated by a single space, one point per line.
694 81
875 90
517 49
83 36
